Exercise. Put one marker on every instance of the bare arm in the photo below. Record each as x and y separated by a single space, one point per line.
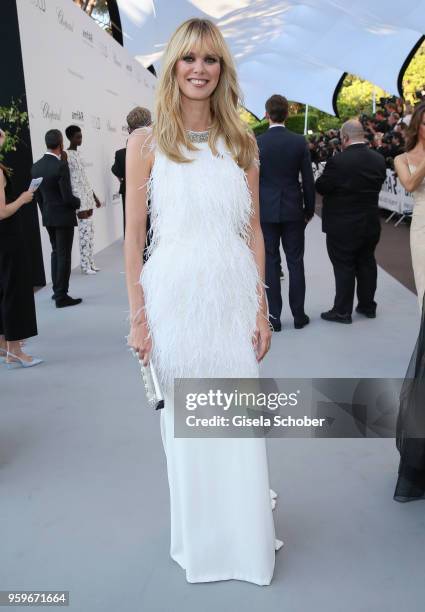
138 169
410 181
262 335
13 207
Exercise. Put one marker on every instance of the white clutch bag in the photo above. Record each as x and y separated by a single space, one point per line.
152 388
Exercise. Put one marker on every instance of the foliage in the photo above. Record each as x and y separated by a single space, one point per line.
327 122
260 127
356 97
296 123
414 77
247 117
356 94
12 121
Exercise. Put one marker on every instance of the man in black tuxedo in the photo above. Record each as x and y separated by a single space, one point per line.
136 118
286 207
350 184
58 207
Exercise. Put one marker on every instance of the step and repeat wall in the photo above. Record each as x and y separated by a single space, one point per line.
75 73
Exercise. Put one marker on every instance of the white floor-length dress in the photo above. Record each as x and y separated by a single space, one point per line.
200 288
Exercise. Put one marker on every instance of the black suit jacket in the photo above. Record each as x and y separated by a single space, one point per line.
350 184
119 169
54 196
283 155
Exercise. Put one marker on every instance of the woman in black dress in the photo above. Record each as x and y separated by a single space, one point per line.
17 308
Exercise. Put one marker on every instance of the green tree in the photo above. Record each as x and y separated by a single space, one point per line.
414 77
356 94
12 120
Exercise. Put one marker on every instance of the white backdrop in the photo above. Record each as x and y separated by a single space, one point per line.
77 74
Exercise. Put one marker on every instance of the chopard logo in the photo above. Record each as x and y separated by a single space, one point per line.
77 115
88 36
68 25
40 4
110 127
49 113
129 68
95 121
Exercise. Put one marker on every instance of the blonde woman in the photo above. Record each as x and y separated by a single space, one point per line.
200 308
410 167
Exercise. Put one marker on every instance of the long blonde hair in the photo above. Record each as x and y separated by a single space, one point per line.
168 129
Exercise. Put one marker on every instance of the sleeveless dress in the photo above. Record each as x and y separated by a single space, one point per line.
410 433
417 238
17 308
200 290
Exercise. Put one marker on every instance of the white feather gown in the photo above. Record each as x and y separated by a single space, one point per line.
200 289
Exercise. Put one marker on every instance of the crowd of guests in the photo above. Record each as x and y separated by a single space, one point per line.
66 200
350 184
385 132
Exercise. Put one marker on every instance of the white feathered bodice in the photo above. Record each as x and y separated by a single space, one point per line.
201 281
206 201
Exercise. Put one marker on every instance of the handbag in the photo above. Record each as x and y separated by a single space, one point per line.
151 384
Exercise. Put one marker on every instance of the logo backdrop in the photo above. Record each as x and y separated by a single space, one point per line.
75 73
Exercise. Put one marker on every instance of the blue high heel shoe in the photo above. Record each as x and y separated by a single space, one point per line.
21 362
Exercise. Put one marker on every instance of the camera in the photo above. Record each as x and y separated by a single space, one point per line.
390 100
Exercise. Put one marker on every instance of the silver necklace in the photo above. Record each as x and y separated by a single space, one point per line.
197 136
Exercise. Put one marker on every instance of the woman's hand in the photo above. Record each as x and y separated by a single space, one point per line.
25 197
139 341
262 336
